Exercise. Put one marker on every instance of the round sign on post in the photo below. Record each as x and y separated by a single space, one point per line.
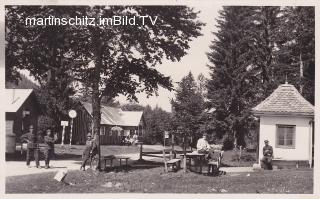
72 114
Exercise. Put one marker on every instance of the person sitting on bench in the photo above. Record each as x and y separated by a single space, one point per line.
267 156
204 147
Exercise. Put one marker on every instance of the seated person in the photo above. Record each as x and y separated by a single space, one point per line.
267 156
127 140
134 139
204 147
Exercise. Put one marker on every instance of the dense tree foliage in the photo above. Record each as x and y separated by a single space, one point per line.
188 108
157 121
108 60
256 49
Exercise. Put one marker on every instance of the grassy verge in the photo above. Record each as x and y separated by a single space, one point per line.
150 178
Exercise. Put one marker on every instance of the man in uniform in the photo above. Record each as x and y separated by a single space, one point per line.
49 146
89 152
267 156
32 146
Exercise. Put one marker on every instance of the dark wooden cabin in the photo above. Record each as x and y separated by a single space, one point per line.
21 111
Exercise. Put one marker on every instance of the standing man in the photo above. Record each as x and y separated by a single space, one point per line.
89 152
204 147
32 145
267 155
49 146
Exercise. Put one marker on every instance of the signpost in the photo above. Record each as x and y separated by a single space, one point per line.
72 114
165 136
63 124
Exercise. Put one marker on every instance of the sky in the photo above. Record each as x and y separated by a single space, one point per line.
195 61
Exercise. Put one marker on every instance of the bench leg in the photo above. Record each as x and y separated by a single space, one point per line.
126 165
105 165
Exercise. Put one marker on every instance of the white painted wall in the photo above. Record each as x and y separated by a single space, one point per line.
302 137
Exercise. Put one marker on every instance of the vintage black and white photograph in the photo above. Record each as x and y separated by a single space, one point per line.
197 99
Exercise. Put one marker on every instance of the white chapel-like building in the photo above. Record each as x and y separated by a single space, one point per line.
286 120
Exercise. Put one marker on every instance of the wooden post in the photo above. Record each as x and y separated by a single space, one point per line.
172 141
71 125
164 139
184 155
140 151
62 138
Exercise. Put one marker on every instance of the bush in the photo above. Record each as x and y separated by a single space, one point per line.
227 144
45 122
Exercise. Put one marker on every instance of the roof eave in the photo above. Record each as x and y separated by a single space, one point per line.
293 114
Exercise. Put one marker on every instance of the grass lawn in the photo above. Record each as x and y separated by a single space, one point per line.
150 178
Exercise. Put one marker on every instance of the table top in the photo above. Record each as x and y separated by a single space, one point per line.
108 157
122 157
195 154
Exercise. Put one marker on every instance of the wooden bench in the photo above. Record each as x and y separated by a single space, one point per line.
214 165
169 160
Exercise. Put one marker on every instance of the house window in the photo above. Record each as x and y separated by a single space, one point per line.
102 131
286 136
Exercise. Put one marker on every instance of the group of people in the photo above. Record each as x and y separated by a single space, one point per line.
130 140
91 148
204 147
33 148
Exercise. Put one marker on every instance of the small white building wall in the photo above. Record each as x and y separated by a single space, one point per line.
302 137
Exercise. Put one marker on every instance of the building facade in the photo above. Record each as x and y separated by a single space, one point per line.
286 121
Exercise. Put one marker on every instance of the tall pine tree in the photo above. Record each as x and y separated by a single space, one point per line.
231 89
188 108
297 48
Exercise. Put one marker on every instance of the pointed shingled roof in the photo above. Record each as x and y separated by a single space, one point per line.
285 100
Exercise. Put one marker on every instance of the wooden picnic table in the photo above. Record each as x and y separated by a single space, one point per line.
197 157
120 158
112 157
108 158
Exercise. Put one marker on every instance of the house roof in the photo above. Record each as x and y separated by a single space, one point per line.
15 98
285 100
115 116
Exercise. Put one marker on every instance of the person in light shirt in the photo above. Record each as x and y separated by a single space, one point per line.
204 147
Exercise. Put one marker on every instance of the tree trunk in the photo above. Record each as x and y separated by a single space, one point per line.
96 99
96 114
301 74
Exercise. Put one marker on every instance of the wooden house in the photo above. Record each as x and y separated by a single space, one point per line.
129 122
286 121
21 110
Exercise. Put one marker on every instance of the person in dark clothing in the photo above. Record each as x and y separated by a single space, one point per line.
267 155
89 152
49 146
32 146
